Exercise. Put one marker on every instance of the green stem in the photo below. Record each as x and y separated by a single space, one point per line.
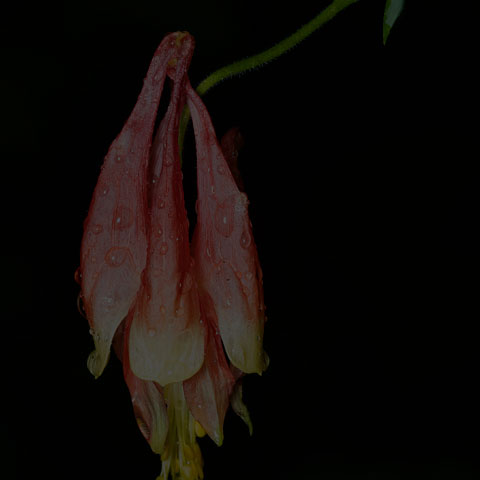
263 57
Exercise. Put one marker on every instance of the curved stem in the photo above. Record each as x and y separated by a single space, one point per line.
263 57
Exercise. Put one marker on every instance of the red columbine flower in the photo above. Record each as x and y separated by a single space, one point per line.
171 315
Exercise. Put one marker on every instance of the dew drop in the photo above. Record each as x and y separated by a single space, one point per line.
163 248
162 309
179 312
151 332
249 276
161 204
78 275
116 256
228 302
212 189
245 239
104 189
97 229
159 232
224 217
123 218
119 159
241 203
187 283
221 169
108 303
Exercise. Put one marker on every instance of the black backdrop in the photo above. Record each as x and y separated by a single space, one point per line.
362 209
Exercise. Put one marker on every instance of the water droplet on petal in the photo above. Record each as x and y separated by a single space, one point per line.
187 283
245 239
161 204
97 229
163 248
108 303
104 189
241 203
116 256
119 159
123 218
224 218
151 332
78 275
221 169
179 312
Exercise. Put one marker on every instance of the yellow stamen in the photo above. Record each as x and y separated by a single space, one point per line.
199 430
181 456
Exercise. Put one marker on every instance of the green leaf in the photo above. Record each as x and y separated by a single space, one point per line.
393 8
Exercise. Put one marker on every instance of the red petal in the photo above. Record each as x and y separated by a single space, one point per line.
166 340
114 243
226 255
208 391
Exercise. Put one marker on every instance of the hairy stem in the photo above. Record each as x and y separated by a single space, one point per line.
263 57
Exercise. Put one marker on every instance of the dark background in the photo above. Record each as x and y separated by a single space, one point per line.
363 209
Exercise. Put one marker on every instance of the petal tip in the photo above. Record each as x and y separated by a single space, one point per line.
98 359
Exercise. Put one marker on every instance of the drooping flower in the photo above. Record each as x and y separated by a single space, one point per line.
169 315
226 257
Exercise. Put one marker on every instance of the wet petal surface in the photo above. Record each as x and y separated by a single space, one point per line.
114 244
227 262
167 338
